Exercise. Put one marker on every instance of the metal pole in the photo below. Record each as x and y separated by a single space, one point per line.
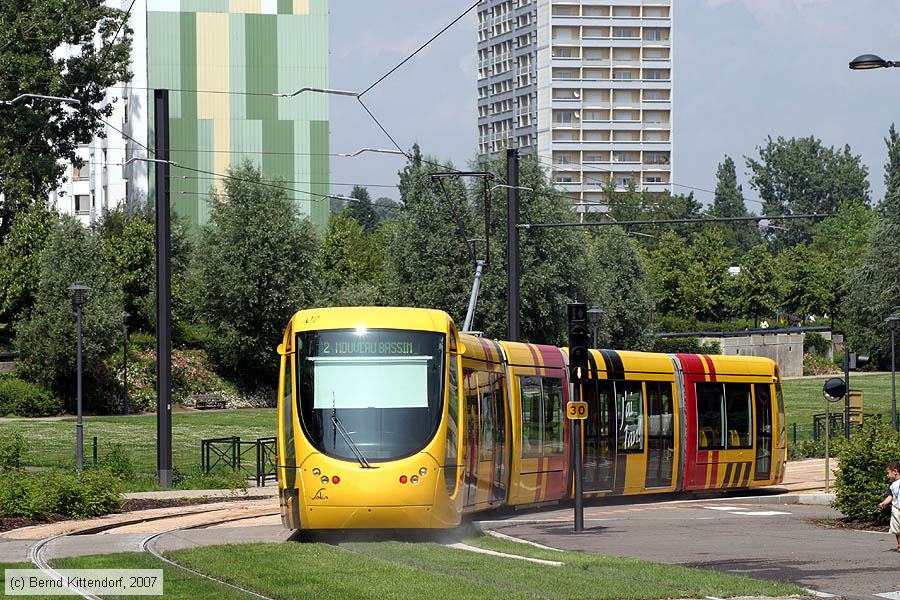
512 243
473 298
125 360
847 395
79 426
893 378
576 440
827 444
163 293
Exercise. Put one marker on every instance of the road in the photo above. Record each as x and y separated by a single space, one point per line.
769 541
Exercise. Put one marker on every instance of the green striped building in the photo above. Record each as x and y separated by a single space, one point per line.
222 61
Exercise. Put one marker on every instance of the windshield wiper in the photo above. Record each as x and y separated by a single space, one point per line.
339 426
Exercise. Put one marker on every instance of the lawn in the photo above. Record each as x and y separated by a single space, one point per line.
388 570
803 398
51 443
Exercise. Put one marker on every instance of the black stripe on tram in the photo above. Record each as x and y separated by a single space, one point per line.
746 480
726 481
614 365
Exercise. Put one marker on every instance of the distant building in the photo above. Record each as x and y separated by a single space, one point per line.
222 61
585 85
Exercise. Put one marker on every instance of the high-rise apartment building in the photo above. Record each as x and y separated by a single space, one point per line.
223 62
585 85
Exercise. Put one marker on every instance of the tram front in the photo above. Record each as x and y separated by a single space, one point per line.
367 437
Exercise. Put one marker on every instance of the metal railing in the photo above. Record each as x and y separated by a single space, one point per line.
233 453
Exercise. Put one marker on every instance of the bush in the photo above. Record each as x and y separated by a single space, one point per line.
37 495
118 463
814 364
191 374
860 482
12 449
685 345
816 344
26 399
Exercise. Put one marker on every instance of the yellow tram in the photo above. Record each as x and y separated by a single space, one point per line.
392 418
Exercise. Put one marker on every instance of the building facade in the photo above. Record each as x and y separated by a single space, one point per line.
223 62
584 85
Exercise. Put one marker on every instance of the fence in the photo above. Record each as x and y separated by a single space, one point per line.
232 453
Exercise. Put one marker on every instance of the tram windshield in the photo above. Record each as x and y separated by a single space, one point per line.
383 387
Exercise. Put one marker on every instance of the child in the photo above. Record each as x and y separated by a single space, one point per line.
893 499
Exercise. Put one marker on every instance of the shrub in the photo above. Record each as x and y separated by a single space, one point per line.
118 463
860 482
26 399
191 374
12 449
814 364
37 495
686 345
808 448
816 344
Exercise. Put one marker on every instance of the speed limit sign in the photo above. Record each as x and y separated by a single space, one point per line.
576 410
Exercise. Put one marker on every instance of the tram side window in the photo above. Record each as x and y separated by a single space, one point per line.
710 419
543 420
737 415
554 426
630 416
485 382
724 416
532 415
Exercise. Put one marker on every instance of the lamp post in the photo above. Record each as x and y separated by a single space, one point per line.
125 315
892 321
78 293
865 62
22 97
594 314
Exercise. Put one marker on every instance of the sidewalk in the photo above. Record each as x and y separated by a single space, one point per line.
269 490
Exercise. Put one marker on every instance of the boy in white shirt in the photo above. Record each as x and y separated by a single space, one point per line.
893 499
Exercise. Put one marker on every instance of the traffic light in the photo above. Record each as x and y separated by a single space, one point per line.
858 361
579 341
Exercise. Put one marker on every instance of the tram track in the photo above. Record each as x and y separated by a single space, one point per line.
37 554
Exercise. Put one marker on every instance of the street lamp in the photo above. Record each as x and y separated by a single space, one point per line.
892 321
594 314
871 61
125 315
79 290
319 90
21 97
375 150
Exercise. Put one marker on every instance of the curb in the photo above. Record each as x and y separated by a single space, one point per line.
814 499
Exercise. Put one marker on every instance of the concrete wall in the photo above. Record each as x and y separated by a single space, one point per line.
786 349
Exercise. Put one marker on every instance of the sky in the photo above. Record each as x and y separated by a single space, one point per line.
743 70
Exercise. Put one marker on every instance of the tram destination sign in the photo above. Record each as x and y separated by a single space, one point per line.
576 410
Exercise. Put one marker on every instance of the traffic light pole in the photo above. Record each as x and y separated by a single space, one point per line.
847 395
576 441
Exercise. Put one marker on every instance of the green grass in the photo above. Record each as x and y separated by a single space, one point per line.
388 570
803 399
50 443
177 583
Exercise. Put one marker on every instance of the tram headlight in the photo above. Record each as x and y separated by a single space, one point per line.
423 471
324 480
414 479
316 472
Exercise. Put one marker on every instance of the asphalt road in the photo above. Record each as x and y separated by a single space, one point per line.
767 541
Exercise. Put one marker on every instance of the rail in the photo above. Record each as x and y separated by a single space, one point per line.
232 453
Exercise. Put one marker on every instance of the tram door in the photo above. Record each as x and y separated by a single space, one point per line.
472 435
485 478
763 395
498 408
599 437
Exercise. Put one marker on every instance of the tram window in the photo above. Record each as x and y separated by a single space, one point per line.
710 418
630 416
659 405
451 452
532 415
737 415
485 382
554 429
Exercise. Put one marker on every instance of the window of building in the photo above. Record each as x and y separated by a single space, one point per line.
564 179
82 204
561 74
654 95
623 180
654 35
653 179
655 74
543 422
564 116
81 173
562 53
622 75
724 416
593 115
624 32
630 416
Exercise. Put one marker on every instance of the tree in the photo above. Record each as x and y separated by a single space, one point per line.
254 266
756 285
801 175
46 335
427 263
667 266
618 285
554 263
20 260
875 288
362 210
729 202
351 263
804 288
35 135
